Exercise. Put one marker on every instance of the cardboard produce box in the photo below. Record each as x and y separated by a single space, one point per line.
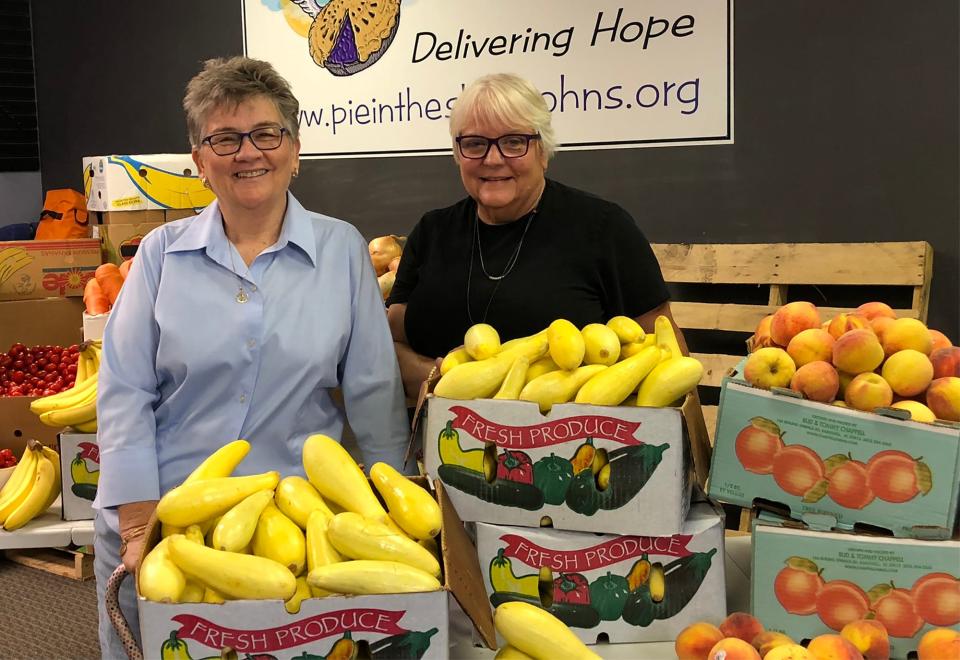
411 625
601 583
813 458
45 269
807 583
128 217
93 325
176 214
139 183
79 474
120 242
539 465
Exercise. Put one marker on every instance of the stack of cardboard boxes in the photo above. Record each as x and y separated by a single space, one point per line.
856 513
585 512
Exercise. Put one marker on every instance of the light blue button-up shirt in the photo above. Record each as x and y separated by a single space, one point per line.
187 368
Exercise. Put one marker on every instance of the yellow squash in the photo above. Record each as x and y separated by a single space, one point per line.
159 578
338 478
358 538
297 499
482 378
220 463
278 538
481 341
515 379
235 528
199 501
627 329
302 593
600 344
410 506
558 386
510 653
565 344
669 381
540 367
538 633
453 359
319 550
611 386
365 576
666 337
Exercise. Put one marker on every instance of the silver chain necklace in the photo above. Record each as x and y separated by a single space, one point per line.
493 278
241 296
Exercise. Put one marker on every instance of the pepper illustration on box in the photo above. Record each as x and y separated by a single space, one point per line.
590 480
934 598
84 479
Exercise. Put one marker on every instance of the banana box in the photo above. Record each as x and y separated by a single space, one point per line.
410 625
139 183
589 468
46 269
119 242
812 459
127 217
807 583
608 587
79 474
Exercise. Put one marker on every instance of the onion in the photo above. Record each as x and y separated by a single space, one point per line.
383 250
386 283
394 264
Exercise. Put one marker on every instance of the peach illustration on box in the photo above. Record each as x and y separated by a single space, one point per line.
933 599
890 475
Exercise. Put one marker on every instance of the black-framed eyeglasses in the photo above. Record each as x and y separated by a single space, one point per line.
227 143
514 145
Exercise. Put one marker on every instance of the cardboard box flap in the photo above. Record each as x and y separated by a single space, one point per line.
464 576
426 387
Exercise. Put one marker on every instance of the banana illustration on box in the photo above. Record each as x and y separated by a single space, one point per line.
32 488
167 189
13 259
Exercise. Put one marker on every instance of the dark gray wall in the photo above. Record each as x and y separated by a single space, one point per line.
846 126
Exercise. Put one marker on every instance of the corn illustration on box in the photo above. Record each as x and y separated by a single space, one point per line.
137 183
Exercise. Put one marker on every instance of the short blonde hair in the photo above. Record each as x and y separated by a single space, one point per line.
231 81
503 98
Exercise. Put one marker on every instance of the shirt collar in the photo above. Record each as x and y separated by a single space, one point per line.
205 232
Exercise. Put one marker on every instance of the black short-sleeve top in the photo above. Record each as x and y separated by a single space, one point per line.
578 257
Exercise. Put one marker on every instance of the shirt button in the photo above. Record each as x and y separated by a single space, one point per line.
251 343
243 398
253 287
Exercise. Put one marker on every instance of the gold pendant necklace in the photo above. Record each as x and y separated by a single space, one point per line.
241 296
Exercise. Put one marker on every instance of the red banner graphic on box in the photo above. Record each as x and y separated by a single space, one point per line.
597 556
89 450
301 632
546 434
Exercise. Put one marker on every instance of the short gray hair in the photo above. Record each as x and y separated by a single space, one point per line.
503 98
231 81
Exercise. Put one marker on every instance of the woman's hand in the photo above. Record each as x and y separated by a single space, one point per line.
134 520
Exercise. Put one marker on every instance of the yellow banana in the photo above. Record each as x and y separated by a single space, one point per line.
669 381
278 538
38 495
168 189
79 393
367 576
25 475
411 507
357 538
86 427
199 501
230 574
235 528
319 550
515 379
83 369
220 463
54 458
81 412
297 499
159 579
538 633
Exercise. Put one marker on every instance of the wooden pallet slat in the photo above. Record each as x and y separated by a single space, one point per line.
59 561
733 317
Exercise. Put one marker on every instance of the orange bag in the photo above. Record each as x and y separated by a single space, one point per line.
64 216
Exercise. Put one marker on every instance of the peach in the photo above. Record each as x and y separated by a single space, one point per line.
845 379
818 381
907 333
742 626
895 476
870 637
943 398
868 391
909 372
895 609
848 485
857 351
937 599
797 469
811 345
695 641
761 336
939 340
789 652
879 325
843 323
833 647
791 319
946 362
769 640
769 367
840 602
938 644
733 648
918 411
758 444
872 310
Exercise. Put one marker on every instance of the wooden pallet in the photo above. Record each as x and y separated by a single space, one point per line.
59 561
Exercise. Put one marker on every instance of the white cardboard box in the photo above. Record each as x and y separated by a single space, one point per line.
93 326
79 474
138 183
537 474
592 590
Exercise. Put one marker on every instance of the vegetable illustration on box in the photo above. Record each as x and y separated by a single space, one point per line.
591 479
668 588
84 479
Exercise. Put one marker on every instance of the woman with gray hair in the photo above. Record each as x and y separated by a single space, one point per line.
520 250
237 323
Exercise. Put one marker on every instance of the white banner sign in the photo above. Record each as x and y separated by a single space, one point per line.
378 77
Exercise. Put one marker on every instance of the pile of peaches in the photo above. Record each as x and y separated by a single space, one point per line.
866 359
742 637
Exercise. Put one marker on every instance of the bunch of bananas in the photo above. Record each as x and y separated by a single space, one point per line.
616 364
263 537
76 407
33 486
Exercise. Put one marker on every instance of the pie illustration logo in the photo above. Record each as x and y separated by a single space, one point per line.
345 36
